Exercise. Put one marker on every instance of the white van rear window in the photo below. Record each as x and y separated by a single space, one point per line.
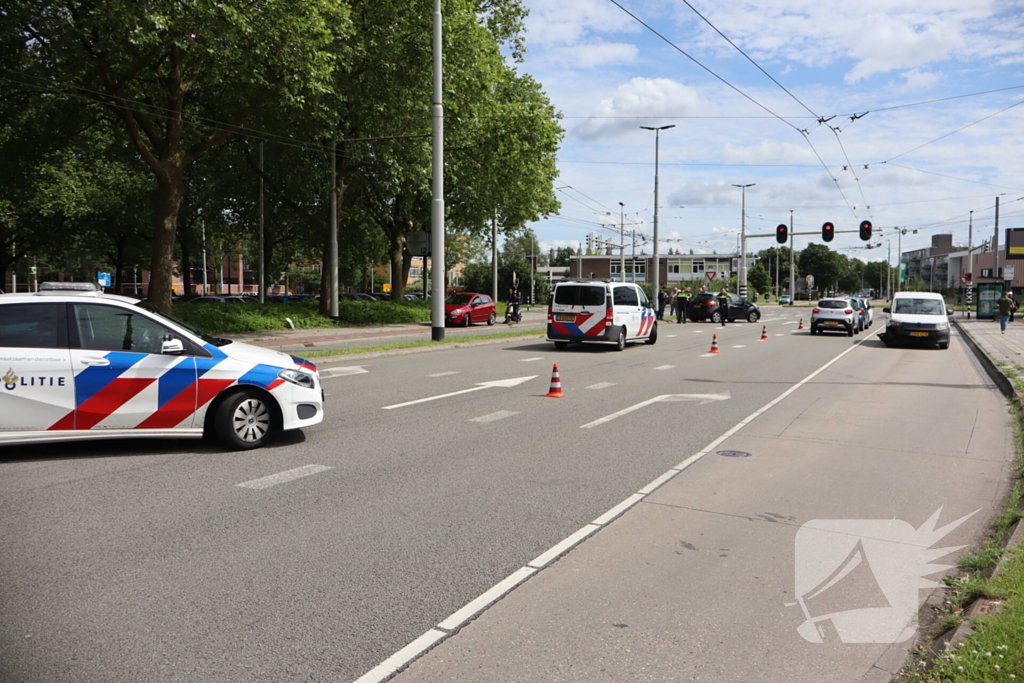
579 295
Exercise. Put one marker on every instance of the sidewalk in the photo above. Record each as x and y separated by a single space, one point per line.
1006 351
297 341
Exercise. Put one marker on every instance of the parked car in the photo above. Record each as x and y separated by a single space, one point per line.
466 308
207 300
785 300
592 311
834 314
916 317
91 365
705 307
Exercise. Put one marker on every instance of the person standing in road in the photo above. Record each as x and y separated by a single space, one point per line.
682 305
662 300
1006 306
672 301
723 305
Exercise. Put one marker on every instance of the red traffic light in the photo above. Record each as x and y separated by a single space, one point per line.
781 233
865 230
828 231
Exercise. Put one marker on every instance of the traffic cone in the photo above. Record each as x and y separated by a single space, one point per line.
801 324
714 344
556 384
764 333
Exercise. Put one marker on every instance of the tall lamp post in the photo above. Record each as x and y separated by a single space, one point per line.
622 242
743 240
656 285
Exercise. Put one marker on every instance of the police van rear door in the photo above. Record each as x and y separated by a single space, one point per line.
579 309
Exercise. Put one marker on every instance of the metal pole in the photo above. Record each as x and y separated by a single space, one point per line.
533 265
743 241
202 224
792 260
622 241
332 257
995 245
656 282
14 267
632 237
970 264
579 262
899 261
262 264
888 271
437 201
494 257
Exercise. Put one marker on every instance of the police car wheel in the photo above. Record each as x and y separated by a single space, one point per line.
653 337
243 420
620 341
561 345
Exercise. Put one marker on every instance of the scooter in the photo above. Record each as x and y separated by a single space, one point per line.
513 314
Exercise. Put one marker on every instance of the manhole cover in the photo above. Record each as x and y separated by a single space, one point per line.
734 454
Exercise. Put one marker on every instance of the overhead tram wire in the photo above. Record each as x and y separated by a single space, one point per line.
951 177
941 137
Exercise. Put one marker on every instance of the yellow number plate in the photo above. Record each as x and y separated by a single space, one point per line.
918 334
565 318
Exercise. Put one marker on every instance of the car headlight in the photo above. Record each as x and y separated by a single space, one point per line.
455 312
941 326
300 378
894 323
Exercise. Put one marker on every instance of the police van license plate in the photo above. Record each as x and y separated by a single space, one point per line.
565 318
918 334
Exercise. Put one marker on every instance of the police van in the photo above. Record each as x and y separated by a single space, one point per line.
79 364
600 311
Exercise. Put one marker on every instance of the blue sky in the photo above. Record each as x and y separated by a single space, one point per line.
608 75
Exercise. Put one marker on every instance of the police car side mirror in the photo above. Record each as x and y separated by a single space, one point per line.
171 346
886 310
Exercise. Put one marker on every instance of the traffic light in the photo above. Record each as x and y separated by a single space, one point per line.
590 241
828 231
865 230
781 233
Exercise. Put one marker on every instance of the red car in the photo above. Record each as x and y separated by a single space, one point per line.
466 308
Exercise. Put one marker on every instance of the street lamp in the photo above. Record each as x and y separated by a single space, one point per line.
655 288
622 242
743 240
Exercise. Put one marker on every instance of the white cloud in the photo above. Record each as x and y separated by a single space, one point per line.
588 55
920 80
644 97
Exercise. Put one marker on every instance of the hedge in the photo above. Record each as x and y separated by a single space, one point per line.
254 317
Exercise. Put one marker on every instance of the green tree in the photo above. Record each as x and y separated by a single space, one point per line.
759 279
824 264
181 78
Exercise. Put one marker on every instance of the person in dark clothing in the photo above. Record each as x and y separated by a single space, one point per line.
662 300
723 305
682 306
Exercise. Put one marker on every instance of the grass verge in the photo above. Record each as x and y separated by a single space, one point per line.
422 342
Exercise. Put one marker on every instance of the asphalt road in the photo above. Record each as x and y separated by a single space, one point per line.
128 561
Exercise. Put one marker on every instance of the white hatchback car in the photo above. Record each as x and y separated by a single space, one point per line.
79 364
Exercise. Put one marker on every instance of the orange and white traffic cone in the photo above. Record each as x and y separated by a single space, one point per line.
801 324
714 344
556 384
764 333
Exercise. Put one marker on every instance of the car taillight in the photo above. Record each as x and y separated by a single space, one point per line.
816 310
847 311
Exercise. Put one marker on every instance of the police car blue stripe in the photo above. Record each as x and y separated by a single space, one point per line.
95 377
261 375
176 380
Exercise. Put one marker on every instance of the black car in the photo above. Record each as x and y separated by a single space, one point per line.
705 307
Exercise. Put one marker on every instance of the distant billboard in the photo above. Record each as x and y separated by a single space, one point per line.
1015 243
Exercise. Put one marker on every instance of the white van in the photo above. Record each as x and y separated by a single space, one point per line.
599 311
916 317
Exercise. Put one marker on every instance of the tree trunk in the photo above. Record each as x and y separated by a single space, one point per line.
186 266
399 269
170 191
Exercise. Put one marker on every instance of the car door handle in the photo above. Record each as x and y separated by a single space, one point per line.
95 361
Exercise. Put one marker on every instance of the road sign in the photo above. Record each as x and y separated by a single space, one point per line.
103 279
418 243
1008 271
711 274
810 281
964 279
387 286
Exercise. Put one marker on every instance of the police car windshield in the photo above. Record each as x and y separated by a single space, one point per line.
216 341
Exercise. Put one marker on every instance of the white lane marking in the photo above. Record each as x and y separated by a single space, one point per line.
389 666
494 417
425 642
618 509
664 367
601 385
282 477
740 346
697 331
507 383
708 355
343 371
791 322
701 399
671 336
444 374
529 360
779 334
564 546
479 604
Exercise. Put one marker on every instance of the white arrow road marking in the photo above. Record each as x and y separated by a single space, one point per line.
700 399
343 371
601 385
444 374
506 383
494 417
664 367
282 477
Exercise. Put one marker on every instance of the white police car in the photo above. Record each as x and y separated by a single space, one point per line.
79 364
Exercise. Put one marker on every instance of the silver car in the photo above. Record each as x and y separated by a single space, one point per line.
835 315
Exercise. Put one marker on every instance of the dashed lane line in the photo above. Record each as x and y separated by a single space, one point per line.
283 477
601 385
444 374
664 367
494 417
